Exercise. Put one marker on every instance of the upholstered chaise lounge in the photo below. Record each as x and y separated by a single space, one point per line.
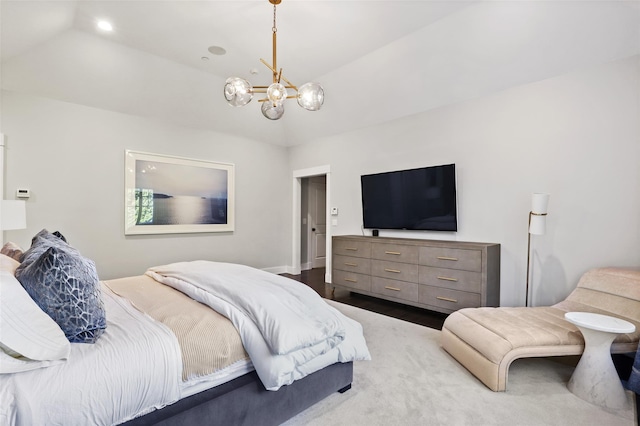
487 340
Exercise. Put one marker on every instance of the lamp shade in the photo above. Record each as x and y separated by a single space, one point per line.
13 214
538 216
238 91
539 203
311 96
538 225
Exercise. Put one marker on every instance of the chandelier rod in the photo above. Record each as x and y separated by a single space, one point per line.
277 75
274 29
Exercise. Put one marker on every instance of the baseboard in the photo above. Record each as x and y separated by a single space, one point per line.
279 270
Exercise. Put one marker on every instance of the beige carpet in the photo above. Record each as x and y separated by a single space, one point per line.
411 380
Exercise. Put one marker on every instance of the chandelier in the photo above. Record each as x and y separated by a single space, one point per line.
239 92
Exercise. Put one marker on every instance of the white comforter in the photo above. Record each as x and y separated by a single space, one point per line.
286 327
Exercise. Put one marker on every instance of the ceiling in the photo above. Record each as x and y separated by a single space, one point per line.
377 60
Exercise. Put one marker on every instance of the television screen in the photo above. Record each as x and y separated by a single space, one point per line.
416 199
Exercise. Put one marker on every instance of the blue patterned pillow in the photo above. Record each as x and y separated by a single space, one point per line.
65 285
41 242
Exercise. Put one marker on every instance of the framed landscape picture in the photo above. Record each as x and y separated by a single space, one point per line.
165 194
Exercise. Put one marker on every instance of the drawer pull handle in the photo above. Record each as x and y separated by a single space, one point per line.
392 288
351 280
447 258
350 264
395 271
448 279
446 299
351 248
395 253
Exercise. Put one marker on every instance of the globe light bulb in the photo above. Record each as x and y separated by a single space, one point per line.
272 111
310 96
276 93
238 91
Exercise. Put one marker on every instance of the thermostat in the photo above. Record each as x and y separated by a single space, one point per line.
22 193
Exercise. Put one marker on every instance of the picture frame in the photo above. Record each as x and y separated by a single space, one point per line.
169 195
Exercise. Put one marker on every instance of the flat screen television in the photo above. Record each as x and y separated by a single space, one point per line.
416 199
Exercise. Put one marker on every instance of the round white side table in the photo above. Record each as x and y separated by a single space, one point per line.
595 378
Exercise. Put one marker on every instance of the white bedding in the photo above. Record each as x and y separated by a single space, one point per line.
136 365
109 382
286 328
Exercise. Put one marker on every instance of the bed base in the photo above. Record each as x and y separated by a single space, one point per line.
245 401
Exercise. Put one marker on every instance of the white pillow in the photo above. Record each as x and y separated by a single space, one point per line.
28 336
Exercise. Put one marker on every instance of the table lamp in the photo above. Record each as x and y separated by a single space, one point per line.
13 214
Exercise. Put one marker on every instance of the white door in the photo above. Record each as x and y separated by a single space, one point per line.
318 221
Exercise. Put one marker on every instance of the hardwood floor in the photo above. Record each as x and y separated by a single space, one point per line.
314 278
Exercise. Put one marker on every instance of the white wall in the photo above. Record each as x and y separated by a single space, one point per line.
575 136
71 157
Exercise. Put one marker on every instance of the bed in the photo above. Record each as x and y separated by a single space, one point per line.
173 347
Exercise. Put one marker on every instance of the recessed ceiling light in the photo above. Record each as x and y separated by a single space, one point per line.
104 25
216 50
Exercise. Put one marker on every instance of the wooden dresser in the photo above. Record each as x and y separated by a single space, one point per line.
442 276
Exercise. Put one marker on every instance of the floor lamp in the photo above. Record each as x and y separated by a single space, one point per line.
537 226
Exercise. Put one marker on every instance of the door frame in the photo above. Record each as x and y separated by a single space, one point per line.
2 147
298 175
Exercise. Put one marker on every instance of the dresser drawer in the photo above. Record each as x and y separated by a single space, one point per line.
359 265
395 252
452 258
398 289
352 248
451 278
352 280
394 270
450 300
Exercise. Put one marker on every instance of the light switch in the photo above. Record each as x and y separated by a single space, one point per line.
334 222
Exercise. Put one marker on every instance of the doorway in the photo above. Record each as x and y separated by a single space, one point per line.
311 236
